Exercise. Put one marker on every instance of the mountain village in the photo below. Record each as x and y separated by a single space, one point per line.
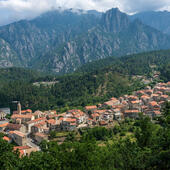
28 129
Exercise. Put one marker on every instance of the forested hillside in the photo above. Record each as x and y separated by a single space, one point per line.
135 64
70 91
165 72
14 73
92 84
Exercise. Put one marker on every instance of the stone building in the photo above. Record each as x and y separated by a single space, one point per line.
39 137
2 115
25 150
17 127
19 138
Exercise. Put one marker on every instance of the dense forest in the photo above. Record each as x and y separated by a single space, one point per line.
133 144
71 91
92 84
165 72
136 64
13 74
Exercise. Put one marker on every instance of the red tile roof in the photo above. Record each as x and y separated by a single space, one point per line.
19 133
40 134
100 111
6 138
23 111
145 97
133 97
16 116
131 111
157 112
109 103
144 107
149 91
114 99
124 103
26 111
161 84
103 123
39 125
140 92
159 92
51 121
155 95
90 107
21 147
135 102
3 125
73 124
36 120
95 115
117 110
11 132
61 118
54 111
12 126
161 102
153 103
76 112
164 96
69 120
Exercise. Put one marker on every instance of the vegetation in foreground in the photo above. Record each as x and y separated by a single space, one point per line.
139 144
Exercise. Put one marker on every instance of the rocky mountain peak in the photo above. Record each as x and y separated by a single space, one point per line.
62 41
114 20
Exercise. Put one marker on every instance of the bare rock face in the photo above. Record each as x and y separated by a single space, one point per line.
8 57
159 20
63 41
114 21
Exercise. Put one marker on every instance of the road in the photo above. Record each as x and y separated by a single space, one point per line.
31 144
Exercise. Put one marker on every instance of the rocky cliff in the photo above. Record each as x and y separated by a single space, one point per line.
62 41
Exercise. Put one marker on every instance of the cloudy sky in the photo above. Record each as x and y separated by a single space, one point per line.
13 10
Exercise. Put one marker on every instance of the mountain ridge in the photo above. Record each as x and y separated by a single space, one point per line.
159 20
61 42
138 36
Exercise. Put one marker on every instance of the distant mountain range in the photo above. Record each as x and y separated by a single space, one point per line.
159 20
62 41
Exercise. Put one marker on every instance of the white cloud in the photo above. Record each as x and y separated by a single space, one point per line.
12 10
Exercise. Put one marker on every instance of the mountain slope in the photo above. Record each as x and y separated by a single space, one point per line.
63 41
8 56
94 83
159 20
14 74
31 39
114 36
134 64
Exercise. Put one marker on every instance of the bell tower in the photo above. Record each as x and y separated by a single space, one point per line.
19 108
